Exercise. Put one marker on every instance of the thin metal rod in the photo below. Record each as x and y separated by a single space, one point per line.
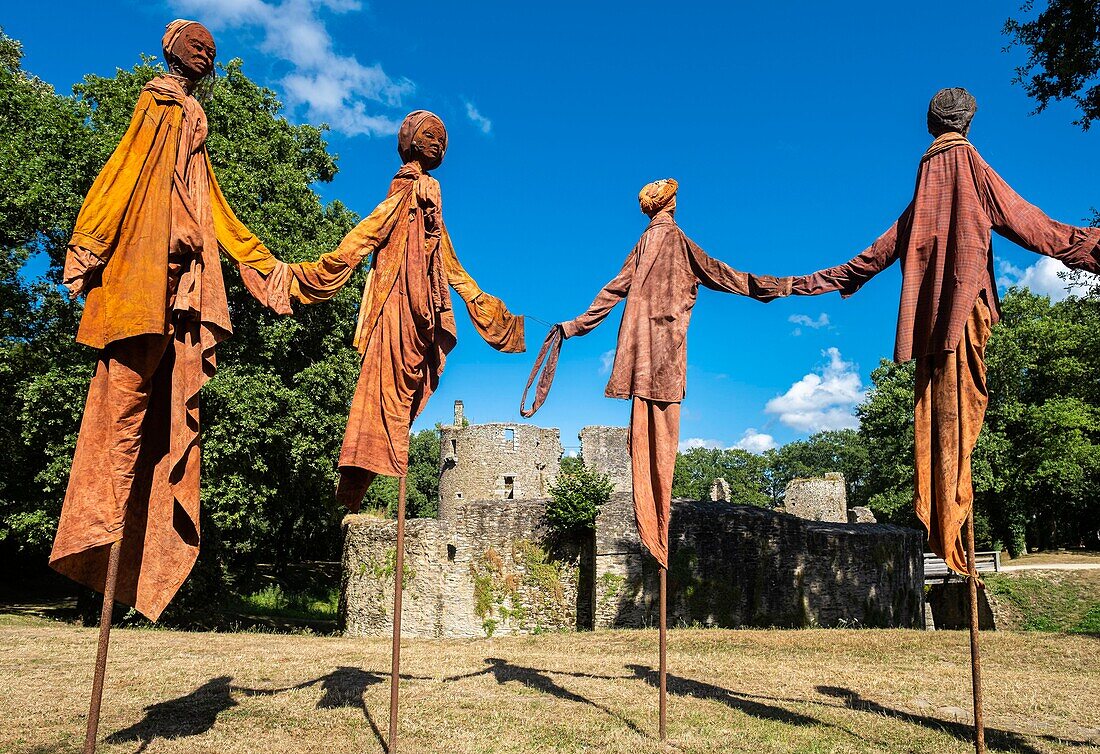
664 648
101 653
398 585
975 657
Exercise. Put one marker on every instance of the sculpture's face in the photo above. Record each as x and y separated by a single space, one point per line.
429 143
195 51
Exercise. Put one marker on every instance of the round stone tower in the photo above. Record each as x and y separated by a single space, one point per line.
499 461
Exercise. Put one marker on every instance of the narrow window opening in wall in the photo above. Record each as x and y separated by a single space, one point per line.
451 552
454 449
509 488
458 496
509 439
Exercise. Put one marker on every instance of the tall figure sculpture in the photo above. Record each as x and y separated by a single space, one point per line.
405 330
948 305
660 281
145 251
406 324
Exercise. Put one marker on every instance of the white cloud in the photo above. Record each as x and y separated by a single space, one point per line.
823 399
699 442
607 359
752 441
333 88
1044 278
484 124
756 442
801 319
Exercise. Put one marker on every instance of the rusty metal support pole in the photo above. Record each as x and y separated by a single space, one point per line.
975 658
664 647
101 653
398 585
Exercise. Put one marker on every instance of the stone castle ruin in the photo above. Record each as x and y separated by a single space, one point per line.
495 462
490 564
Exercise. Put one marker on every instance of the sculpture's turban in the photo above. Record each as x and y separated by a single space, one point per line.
172 33
951 110
656 196
412 123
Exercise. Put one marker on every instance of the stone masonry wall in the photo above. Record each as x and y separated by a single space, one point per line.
817 498
604 449
491 569
500 461
738 565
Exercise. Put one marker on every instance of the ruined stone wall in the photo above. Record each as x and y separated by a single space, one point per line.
817 498
604 449
366 595
499 461
491 569
738 565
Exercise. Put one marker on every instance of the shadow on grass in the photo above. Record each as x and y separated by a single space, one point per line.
189 715
1006 740
195 713
687 687
540 680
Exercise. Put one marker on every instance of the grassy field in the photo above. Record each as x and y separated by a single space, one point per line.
1041 600
730 691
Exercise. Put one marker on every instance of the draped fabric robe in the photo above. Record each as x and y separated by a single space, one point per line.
948 303
148 237
660 282
406 325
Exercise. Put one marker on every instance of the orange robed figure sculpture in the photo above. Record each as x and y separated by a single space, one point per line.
949 303
145 252
406 325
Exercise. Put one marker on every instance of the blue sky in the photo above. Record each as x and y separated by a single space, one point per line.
793 129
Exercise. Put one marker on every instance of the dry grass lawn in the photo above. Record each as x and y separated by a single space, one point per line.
1055 557
730 691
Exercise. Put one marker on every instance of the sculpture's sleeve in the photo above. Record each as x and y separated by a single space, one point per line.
612 293
101 216
234 237
719 276
852 275
498 327
318 281
278 283
1027 225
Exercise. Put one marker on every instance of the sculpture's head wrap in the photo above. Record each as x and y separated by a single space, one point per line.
409 128
195 62
658 195
951 110
172 32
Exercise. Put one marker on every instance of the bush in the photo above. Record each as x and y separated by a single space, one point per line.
576 497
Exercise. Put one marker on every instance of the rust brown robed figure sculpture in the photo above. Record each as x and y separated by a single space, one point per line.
660 281
949 303
406 324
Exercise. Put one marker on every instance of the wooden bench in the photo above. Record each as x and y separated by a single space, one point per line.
935 569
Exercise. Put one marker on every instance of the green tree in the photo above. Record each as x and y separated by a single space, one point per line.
45 155
697 468
576 497
422 483
1062 43
840 450
886 429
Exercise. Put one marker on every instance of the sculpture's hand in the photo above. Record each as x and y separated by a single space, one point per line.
80 265
767 288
